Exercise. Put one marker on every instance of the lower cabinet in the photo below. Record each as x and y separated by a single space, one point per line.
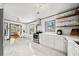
73 48
54 41
61 44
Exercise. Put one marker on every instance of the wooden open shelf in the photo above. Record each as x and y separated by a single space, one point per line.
69 26
61 17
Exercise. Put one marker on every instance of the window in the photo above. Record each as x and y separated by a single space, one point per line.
5 29
15 28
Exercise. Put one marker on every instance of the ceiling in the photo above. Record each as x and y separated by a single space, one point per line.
27 12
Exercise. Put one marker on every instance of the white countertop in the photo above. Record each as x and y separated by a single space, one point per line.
75 38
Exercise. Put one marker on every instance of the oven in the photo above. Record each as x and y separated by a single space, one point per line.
36 37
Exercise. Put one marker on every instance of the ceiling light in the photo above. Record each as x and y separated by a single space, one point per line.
38 12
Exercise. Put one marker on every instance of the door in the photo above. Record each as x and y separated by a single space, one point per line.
1 32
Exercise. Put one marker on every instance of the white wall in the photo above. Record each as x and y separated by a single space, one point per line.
1 5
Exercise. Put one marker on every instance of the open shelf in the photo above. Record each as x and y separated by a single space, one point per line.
69 26
69 15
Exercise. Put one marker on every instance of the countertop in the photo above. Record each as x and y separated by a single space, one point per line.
74 38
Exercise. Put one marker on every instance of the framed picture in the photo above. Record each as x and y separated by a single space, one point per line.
50 26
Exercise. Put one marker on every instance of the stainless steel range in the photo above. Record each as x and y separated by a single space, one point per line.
36 37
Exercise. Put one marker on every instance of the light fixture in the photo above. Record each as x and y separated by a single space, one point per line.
38 12
18 19
39 6
39 21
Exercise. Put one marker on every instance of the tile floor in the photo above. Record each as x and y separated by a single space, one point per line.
25 47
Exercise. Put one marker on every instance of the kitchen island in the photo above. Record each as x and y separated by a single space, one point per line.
64 44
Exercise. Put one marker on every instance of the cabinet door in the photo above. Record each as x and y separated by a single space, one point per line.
76 46
56 43
63 44
73 49
47 40
51 41
60 44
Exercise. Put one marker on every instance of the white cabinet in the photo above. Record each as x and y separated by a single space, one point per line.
73 48
54 41
61 44
46 40
65 44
